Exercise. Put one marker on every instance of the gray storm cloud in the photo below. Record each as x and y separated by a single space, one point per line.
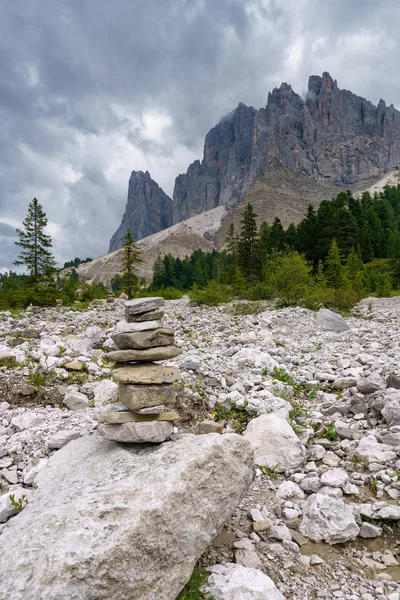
92 90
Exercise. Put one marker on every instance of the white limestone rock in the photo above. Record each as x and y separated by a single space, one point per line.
330 320
128 523
31 474
334 478
125 327
230 581
289 489
7 509
275 443
62 438
391 410
143 305
153 432
105 391
370 384
27 420
328 519
371 450
76 400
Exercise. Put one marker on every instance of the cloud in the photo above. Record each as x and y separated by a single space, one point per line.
92 90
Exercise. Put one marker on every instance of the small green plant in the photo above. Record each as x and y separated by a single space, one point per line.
281 375
38 380
192 590
247 308
354 459
319 346
271 472
330 433
237 416
395 474
20 503
373 486
91 403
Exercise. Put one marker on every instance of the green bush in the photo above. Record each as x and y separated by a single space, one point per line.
215 293
290 277
169 293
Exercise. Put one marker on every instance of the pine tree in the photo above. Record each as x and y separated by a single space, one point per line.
355 270
277 235
249 254
131 260
232 242
158 273
35 244
334 268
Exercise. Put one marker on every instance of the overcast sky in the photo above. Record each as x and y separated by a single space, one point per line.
93 89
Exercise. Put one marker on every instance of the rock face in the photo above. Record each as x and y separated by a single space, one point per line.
148 210
119 536
332 136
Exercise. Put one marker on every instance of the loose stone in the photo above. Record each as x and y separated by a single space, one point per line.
125 327
143 305
119 417
152 315
144 339
145 373
162 353
137 433
142 396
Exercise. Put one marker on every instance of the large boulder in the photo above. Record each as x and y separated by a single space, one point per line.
370 450
112 521
330 320
275 443
234 582
329 519
391 409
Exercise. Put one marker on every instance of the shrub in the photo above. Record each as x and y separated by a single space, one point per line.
289 277
215 293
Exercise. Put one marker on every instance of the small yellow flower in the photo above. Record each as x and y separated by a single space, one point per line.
213 414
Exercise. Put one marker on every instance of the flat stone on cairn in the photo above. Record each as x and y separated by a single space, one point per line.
142 339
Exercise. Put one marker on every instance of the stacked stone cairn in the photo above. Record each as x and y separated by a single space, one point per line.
110 293
146 389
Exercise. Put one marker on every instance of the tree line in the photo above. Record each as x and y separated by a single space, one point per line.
338 253
43 285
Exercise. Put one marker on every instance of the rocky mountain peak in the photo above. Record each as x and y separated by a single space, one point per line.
333 137
148 209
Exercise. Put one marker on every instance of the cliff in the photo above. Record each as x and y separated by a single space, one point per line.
332 136
148 210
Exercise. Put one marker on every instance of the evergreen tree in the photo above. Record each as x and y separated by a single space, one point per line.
158 273
355 270
35 244
232 242
131 260
277 235
334 268
249 255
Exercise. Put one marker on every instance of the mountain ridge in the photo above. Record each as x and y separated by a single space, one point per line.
331 137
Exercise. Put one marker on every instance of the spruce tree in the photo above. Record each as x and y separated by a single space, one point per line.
35 244
131 260
158 273
334 268
249 254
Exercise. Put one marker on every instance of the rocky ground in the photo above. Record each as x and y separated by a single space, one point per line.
321 518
